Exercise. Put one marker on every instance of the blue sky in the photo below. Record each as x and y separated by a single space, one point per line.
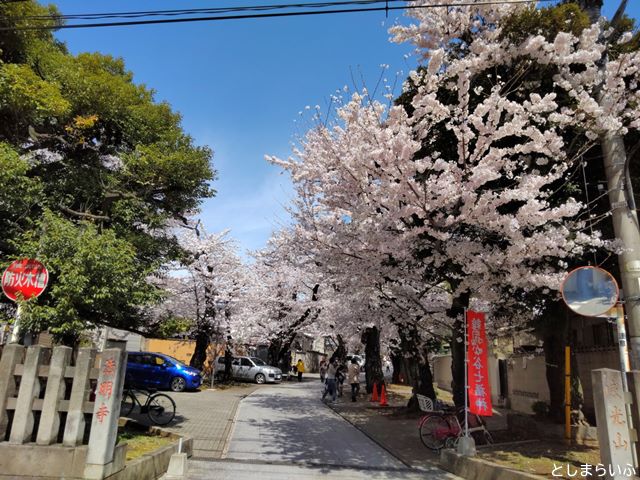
241 84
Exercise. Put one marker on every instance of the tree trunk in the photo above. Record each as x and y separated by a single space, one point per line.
341 352
200 353
456 312
554 343
424 383
396 361
373 363
555 328
592 8
408 357
279 355
228 360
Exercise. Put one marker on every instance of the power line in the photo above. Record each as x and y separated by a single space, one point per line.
385 8
190 11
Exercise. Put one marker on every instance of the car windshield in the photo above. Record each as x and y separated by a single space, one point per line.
175 361
257 361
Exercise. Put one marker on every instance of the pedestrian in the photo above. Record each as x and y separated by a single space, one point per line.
340 378
353 374
331 381
300 368
323 370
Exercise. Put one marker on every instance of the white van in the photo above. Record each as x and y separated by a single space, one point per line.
249 369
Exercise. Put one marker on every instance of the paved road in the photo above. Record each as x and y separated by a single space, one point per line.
286 432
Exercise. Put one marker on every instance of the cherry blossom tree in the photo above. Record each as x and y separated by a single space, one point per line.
206 288
463 181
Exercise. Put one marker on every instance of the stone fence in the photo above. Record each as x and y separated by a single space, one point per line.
58 417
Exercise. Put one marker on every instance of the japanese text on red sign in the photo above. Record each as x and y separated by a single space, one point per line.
477 371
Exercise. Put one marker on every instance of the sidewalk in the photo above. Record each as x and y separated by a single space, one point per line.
207 417
394 430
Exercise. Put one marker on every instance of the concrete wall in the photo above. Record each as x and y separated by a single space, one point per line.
442 371
591 360
179 349
441 365
134 341
55 460
527 382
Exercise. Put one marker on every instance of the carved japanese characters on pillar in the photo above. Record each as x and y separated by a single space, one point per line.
104 426
613 427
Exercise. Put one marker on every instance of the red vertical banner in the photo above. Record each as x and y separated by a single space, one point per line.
477 371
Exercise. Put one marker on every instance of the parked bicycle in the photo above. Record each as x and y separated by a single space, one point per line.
442 428
160 408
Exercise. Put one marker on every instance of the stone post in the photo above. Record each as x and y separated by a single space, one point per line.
106 411
74 427
11 356
613 429
56 387
633 380
22 427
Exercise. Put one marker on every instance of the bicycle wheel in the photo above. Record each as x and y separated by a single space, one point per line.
161 408
127 403
434 431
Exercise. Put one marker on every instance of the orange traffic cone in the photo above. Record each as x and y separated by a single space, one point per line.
374 395
383 397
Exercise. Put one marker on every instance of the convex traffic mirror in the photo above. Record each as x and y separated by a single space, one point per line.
590 291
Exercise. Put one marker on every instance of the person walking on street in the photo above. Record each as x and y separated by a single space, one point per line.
300 367
331 381
352 378
323 370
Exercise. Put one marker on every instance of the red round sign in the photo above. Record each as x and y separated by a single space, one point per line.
24 279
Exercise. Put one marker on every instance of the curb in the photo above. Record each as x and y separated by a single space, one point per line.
153 464
232 425
472 468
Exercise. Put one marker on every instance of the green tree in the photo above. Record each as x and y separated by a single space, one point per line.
88 154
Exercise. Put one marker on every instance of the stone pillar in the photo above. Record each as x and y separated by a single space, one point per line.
11 356
74 426
56 387
633 380
22 427
106 411
613 428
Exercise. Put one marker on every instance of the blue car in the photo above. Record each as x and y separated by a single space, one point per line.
156 370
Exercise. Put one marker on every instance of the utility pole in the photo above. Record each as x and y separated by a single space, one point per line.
625 218
625 226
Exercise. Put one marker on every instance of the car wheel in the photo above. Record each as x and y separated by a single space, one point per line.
178 384
260 378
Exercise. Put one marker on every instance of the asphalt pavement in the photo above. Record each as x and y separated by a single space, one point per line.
286 432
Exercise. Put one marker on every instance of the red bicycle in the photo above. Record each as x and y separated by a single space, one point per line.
442 428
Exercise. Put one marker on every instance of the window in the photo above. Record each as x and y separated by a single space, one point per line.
134 358
235 362
148 359
159 360
245 362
